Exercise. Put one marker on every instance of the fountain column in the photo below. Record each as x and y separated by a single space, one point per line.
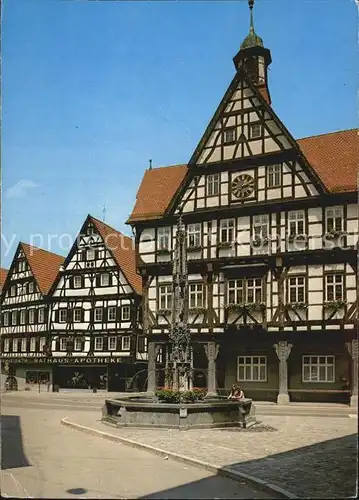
353 351
153 349
211 350
283 349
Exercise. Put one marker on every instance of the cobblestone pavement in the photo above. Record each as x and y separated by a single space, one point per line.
312 457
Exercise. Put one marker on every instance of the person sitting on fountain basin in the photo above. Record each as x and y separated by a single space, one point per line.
236 393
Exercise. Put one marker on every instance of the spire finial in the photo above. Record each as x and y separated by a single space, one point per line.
251 5
150 161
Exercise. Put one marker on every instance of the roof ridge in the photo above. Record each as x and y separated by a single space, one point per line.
43 249
110 227
328 133
167 166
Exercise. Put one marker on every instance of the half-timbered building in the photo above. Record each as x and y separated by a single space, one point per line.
272 230
24 317
95 315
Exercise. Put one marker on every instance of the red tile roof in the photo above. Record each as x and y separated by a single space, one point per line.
123 250
44 265
3 274
333 156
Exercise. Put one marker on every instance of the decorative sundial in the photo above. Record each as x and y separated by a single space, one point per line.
243 186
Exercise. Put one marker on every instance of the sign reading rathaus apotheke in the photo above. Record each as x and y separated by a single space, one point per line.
68 360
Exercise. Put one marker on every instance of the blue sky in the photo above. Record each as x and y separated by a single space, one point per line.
92 90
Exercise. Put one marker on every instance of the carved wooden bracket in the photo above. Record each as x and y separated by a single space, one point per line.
283 349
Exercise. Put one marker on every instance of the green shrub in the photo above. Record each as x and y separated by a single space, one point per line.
170 396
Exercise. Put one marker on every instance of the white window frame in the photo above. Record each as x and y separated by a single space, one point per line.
227 229
104 279
125 343
194 232
21 266
313 366
15 345
13 290
62 319
126 316
77 319
229 135
6 319
334 218
196 295
250 368
31 288
32 344
165 297
260 226
63 344
335 282
42 342
164 238
13 318
31 319
98 318
237 289
299 285
90 254
252 128
274 175
213 184
22 289
41 315
254 289
22 316
296 222
77 344
77 281
111 317
112 343
6 345
98 344
23 345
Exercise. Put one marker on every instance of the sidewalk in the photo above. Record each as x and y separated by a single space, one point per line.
311 457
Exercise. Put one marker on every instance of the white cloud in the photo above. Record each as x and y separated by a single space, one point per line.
20 189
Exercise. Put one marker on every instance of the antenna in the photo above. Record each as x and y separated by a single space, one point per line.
104 210
150 164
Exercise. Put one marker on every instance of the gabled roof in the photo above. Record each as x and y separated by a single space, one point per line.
333 157
44 265
123 250
3 274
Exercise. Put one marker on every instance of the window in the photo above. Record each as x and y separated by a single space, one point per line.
227 230
334 287
23 345
125 313
112 313
62 315
77 315
13 318
15 345
112 343
213 181
255 130
296 222
195 295
104 279
31 316
33 344
142 344
78 345
297 289
42 343
6 345
22 265
163 238
165 296
98 314
252 368
260 226
318 369
22 289
90 254
229 135
77 282
63 344
6 319
254 290
90 230
334 219
98 343
274 175
22 317
41 317
31 287
194 235
235 291
13 291
126 343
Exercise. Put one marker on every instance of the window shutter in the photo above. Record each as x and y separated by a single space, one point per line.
105 315
57 345
69 315
82 315
98 280
105 343
118 314
82 281
71 282
56 316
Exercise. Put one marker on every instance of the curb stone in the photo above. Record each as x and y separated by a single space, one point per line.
226 471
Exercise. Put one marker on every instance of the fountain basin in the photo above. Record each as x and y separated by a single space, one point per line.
149 413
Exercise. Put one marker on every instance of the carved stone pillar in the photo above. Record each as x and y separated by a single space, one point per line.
151 367
283 349
211 350
353 351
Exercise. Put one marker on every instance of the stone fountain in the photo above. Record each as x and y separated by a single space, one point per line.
149 411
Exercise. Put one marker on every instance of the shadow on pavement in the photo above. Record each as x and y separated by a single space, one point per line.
323 470
12 450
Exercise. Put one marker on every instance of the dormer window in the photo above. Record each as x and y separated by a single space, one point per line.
229 135
274 175
255 130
